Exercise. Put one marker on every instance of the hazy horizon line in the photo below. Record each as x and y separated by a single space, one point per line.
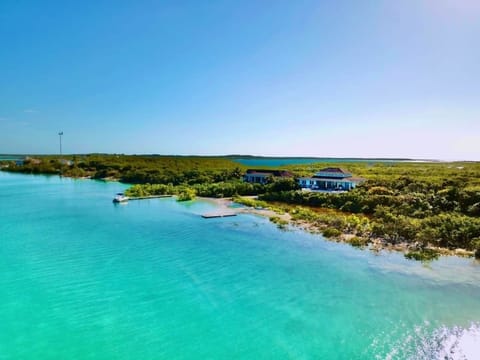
248 156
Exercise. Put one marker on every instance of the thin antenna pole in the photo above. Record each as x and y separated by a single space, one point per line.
60 136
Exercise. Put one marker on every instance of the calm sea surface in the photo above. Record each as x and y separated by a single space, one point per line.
81 278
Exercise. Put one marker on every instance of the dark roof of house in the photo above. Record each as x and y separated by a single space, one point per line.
281 173
260 174
334 170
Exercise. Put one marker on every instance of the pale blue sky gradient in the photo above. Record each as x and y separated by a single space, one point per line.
300 78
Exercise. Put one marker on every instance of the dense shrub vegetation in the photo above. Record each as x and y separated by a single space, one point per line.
135 169
429 204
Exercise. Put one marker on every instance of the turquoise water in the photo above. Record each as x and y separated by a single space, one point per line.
277 162
11 157
81 278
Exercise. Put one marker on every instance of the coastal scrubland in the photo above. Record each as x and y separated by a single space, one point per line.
422 204
422 207
133 169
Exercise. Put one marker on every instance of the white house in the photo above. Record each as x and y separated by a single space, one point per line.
330 179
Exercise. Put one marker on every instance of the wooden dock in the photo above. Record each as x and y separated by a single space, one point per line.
149 197
219 214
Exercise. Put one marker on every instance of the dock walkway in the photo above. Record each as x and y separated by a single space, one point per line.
149 197
219 214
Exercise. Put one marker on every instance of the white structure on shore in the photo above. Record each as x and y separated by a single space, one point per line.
330 179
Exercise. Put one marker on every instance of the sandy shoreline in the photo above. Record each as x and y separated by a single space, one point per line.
225 203
376 244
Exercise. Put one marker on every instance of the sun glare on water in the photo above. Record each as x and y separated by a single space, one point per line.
445 343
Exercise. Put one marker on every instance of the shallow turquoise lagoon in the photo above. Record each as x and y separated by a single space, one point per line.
81 278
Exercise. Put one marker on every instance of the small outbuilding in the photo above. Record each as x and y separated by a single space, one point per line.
262 176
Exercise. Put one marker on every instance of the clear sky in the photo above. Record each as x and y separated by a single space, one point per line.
345 78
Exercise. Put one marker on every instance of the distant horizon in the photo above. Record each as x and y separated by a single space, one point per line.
246 156
364 78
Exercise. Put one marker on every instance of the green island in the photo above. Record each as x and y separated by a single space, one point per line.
424 209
